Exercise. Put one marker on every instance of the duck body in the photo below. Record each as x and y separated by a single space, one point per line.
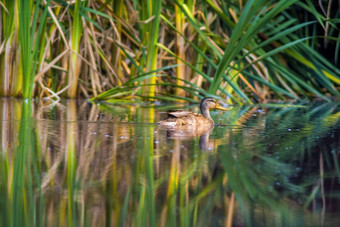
185 118
179 118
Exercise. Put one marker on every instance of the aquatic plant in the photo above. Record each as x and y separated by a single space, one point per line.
243 52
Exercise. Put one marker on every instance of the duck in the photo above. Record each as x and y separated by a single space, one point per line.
185 118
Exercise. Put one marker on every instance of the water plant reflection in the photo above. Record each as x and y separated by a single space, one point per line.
271 165
189 132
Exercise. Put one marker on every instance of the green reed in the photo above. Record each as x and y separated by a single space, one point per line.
153 9
247 27
241 52
10 75
118 8
29 40
250 61
74 69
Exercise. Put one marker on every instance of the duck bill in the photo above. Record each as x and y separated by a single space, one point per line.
220 107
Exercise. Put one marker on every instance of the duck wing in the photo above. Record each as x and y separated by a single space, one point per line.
179 113
176 118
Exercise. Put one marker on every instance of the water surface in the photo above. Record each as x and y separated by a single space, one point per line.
82 164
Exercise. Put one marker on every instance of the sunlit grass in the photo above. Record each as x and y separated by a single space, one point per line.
242 52
75 63
10 68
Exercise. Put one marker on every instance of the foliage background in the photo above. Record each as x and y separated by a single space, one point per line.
240 51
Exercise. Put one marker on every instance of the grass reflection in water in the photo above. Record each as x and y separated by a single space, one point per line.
83 164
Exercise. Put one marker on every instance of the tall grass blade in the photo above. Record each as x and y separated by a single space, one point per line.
74 70
154 7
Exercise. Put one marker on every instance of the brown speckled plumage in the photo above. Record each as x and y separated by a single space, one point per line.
183 118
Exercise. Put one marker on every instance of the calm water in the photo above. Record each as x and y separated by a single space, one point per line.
79 164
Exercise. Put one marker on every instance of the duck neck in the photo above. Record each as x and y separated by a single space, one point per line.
205 112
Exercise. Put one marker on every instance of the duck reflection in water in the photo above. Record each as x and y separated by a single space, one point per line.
183 124
184 133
